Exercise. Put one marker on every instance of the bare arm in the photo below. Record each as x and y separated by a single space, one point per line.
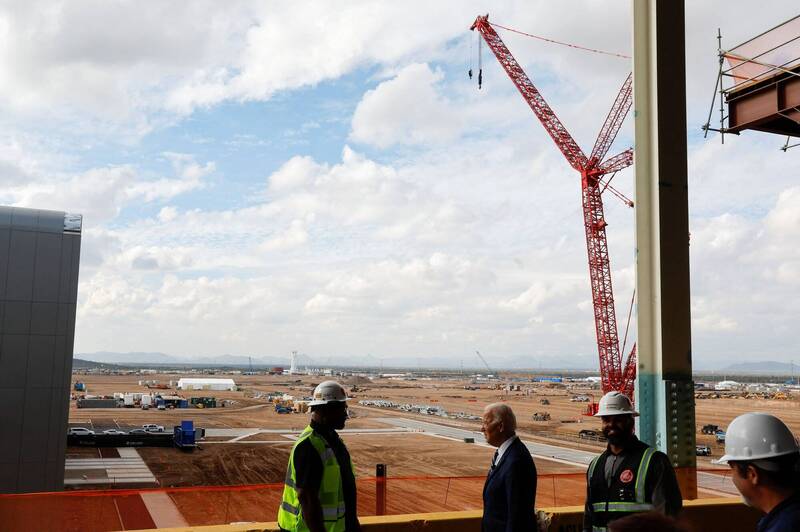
312 509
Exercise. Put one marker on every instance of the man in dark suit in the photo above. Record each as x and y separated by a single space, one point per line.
510 490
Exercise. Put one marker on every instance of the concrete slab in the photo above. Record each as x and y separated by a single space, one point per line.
163 510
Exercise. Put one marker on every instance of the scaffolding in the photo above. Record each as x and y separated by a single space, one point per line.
759 80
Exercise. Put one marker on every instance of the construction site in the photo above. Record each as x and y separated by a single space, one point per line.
265 410
420 428
146 446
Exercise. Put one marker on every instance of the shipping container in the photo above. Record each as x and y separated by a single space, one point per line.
97 403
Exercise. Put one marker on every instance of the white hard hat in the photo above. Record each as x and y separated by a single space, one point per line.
615 404
328 392
755 436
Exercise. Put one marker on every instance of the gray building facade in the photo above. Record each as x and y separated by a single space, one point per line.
39 257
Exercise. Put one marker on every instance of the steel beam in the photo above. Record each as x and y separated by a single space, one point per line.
664 389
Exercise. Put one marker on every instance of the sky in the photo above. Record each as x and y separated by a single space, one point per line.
262 177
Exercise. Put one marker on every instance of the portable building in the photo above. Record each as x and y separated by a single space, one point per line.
207 384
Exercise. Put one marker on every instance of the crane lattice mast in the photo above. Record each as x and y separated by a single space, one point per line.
614 375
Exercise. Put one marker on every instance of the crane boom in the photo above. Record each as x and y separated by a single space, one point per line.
531 94
484 361
613 375
619 110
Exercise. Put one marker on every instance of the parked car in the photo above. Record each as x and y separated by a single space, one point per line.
588 434
137 431
703 450
80 431
114 431
720 435
152 427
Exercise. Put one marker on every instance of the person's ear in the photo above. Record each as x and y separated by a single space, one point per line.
753 476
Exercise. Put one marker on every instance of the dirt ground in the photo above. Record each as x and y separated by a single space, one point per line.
218 465
405 455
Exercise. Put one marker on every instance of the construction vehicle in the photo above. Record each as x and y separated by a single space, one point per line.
541 416
615 375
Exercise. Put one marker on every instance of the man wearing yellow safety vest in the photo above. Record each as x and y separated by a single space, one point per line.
630 476
319 494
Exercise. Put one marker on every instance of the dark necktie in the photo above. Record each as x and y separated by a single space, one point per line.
494 459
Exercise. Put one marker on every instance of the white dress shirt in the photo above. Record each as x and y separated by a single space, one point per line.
502 449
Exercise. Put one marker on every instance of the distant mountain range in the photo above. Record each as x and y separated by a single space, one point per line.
469 362
139 358
574 363
78 363
768 366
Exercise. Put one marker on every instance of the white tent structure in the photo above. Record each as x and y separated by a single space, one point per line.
207 384
727 386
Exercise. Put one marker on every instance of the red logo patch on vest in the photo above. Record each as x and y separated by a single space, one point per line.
626 476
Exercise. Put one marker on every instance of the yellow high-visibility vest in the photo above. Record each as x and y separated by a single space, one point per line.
331 493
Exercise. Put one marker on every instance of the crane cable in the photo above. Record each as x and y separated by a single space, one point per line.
630 313
480 63
595 50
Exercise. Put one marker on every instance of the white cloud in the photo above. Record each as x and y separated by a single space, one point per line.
784 219
295 235
406 110
34 178
99 194
466 233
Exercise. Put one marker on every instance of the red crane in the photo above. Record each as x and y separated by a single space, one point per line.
614 374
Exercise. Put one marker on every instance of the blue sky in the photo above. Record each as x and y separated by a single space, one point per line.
257 178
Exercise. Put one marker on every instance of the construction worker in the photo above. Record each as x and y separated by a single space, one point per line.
319 494
630 476
763 456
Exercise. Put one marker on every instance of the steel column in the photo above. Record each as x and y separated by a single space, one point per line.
664 388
